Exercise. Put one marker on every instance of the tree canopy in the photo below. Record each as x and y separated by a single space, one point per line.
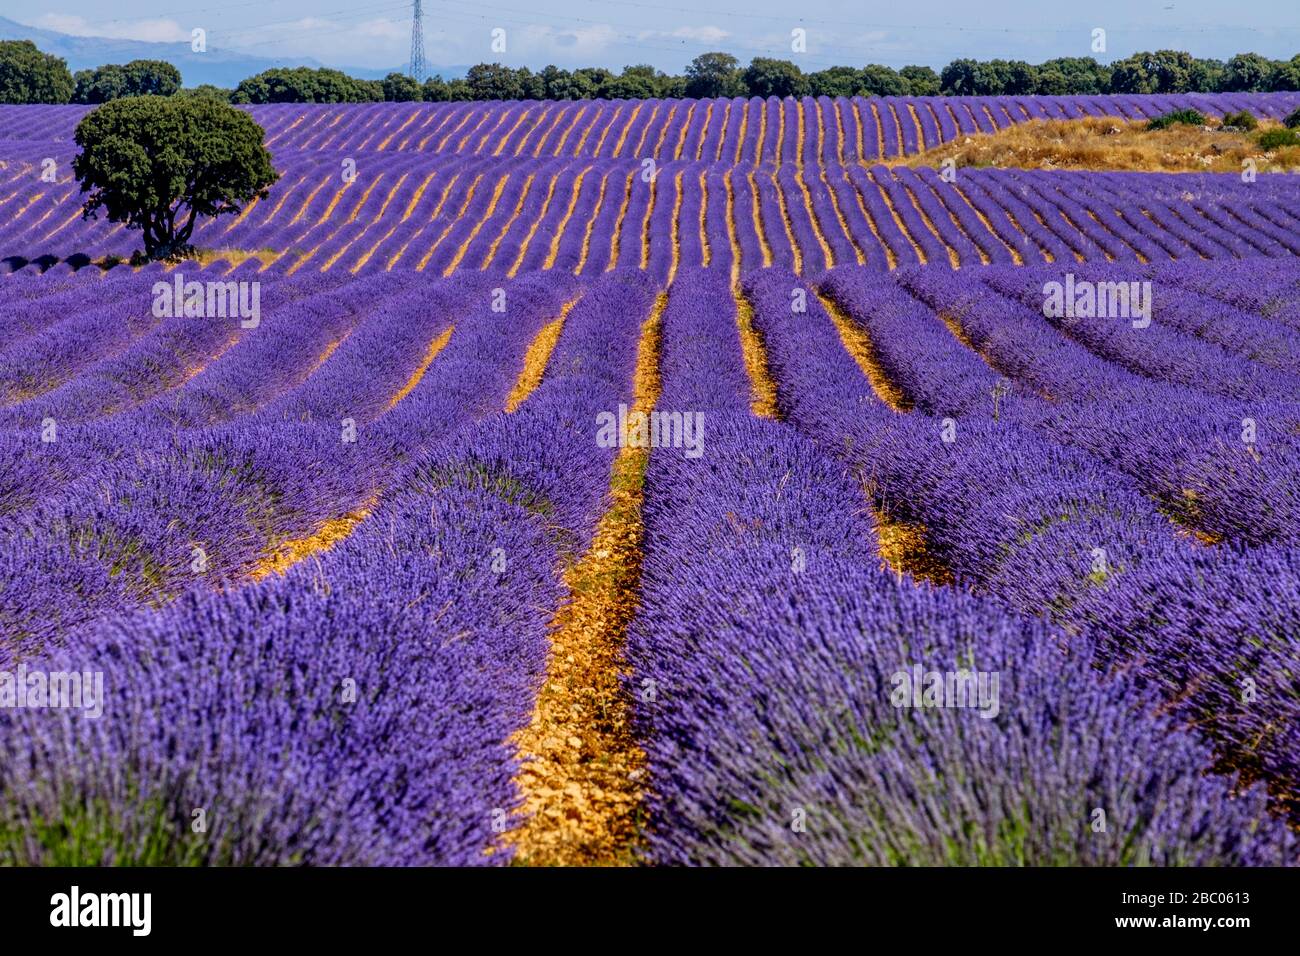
714 74
158 163
137 78
303 85
767 77
29 76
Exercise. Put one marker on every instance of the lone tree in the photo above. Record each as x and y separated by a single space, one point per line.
158 163
714 74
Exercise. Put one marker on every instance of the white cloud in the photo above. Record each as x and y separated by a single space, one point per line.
700 34
576 42
376 42
153 30
385 30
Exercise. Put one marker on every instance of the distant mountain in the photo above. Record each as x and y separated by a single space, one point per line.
222 68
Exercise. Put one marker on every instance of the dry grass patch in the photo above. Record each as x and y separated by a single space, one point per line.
1111 143
235 257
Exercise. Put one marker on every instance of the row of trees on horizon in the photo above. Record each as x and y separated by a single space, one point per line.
29 76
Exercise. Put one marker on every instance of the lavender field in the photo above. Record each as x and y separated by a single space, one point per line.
654 482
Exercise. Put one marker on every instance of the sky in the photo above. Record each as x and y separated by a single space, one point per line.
669 33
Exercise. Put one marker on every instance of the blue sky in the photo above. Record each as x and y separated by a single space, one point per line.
668 33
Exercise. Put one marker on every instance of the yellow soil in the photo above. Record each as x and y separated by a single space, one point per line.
478 226
436 346
582 774
706 250
205 257
616 238
327 534
731 229
538 354
858 344
762 388
675 228
194 370
591 223
902 227
554 249
1110 143
758 222
904 550
645 223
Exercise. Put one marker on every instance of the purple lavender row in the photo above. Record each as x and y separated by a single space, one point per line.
663 235
1078 242
773 219
827 210
691 221
620 184
852 205
1116 246
159 362
473 374
568 251
1032 241
219 499
1200 632
447 127
44 360
1156 350
1268 288
584 178
1124 211
35 307
882 181
259 366
632 236
747 229
972 240
276 357
1249 238
733 765
1227 468
478 249
1083 509
891 144
1168 225
185 513
934 371
386 227
1248 336
1134 230
267 361
799 216
438 680
363 725
977 484
381 354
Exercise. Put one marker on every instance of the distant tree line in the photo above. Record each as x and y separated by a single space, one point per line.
29 76
137 78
